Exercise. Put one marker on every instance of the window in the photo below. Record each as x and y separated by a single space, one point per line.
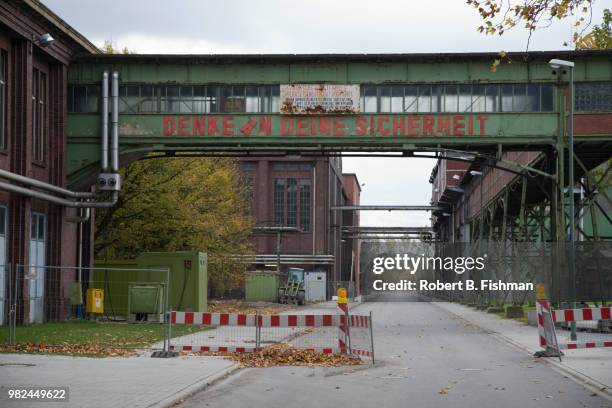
3 98
84 98
252 99
465 98
478 98
547 98
450 98
593 97
292 206
519 101
369 102
385 99
492 98
39 89
397 99
457 98
424 103
292 166
532 103
437 97
305 204
425 98
36 285
279 202
134 98
506 98
410 98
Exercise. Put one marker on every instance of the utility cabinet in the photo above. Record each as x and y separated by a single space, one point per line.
315 284
120 279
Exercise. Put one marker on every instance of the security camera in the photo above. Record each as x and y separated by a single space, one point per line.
45 40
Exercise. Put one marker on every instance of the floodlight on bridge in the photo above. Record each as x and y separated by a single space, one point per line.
558 63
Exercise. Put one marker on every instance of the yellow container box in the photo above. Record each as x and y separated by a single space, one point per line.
94 300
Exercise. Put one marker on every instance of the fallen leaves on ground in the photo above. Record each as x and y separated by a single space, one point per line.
285 355
238 306
89 350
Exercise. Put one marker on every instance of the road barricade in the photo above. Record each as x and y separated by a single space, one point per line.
547 319
244 333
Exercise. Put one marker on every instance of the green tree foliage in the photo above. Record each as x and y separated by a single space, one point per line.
178 204
601 36
109 48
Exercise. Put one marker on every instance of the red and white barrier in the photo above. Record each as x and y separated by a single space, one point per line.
272 321
250 320
578 315
546 327
343 330
361 352
299 320
213 319
213 349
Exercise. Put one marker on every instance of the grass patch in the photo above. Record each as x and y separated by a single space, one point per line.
101 334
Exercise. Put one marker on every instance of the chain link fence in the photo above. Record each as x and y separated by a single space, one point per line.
588 279
84 307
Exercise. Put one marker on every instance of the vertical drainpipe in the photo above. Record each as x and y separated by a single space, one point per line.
314 207
85 212
114 148
104 129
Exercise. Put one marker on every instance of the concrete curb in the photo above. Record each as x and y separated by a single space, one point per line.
195 387
581 378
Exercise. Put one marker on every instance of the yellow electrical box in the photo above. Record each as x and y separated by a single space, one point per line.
94 300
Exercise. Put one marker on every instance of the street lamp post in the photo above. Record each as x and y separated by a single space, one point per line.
569 65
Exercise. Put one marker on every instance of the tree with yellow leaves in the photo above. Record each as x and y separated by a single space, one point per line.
500 16
178 204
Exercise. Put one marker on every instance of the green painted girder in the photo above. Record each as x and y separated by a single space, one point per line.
140 134
360 69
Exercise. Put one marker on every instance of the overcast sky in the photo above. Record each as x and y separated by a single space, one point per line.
312 26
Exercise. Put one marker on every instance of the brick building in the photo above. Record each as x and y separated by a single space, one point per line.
36 48
299 193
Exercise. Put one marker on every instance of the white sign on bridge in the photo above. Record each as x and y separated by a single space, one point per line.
319 98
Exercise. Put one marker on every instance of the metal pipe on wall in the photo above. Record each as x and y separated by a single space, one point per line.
58 200
114 148
45 186
104 125
84 217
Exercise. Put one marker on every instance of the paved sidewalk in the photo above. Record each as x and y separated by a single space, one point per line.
591 365
111 382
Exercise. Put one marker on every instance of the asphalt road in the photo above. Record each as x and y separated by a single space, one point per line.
426 357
